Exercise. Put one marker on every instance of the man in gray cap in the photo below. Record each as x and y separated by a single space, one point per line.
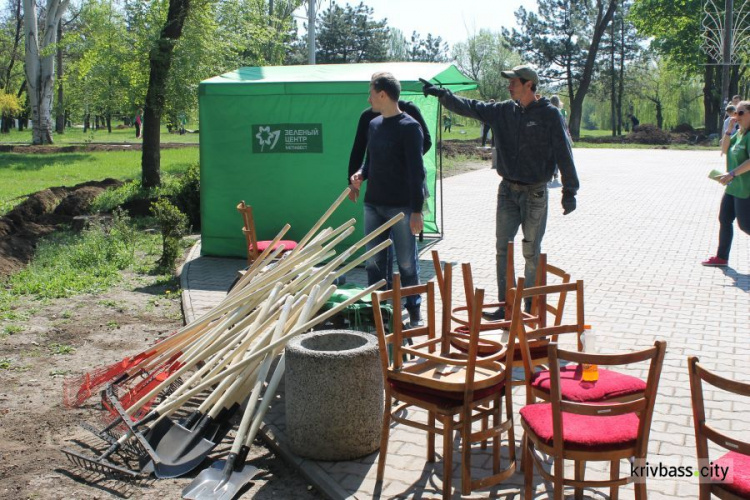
530 139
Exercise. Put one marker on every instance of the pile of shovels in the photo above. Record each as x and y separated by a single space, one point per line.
170 405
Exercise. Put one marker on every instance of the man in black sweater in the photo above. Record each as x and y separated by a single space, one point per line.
395 175
530 138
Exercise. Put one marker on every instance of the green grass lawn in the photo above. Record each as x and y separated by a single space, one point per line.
75 135
23 174
468 132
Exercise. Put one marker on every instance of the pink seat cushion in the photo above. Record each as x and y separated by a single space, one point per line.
288 245
739 465
610 385
583 432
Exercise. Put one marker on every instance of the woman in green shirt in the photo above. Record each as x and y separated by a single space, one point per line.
736 201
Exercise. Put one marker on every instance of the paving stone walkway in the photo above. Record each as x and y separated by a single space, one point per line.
645 220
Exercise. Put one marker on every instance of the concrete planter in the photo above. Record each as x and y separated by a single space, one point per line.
334 395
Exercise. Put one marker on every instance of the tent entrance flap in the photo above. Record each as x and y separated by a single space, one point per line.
279 138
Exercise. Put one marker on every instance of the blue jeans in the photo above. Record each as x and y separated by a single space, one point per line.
524 207
404 246
732 208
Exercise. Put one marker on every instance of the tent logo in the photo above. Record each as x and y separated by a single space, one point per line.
287 138
267 138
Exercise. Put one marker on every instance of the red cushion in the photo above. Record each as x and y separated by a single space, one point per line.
444 399
739 471
288 245
583 432
609 386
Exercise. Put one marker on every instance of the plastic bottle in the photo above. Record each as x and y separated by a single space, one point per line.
590 371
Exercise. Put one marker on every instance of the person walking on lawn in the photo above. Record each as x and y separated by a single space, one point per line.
735 204
395 176
531 141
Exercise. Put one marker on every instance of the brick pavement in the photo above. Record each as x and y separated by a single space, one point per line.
645 220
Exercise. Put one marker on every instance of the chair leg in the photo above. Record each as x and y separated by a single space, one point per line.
485 424
528 472
640 490
496 409
614 473
384 435
558 475
466 452
447 456
580 473
431 437
511 432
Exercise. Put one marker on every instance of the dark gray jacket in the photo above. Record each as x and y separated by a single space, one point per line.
529 141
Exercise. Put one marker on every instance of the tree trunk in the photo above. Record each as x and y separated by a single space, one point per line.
5 84
86 122
659 114
160 59
60 117
621 85
109 122
40 70
603 18
613 87
710 106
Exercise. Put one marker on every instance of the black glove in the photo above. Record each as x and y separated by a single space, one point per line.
430 89
568 202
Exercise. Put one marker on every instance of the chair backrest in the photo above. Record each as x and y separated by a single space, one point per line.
510 282
394 341
248 229
643 406
703 431
528 333
546 275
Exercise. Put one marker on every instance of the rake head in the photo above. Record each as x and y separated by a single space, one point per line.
98 465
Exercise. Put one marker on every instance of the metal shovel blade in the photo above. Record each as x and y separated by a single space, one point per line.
210 485
179 450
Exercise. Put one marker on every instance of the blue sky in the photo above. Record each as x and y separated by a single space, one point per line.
452 20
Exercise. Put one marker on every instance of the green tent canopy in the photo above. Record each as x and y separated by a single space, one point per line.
279 138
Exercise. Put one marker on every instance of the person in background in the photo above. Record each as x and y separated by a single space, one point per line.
447 122
395 176
138 123
530 141
735 204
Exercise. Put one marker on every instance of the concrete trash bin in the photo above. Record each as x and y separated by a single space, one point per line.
334 395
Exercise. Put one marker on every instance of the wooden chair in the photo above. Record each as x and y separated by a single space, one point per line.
490 336
255 247
585 432
738 456
455 389
611 386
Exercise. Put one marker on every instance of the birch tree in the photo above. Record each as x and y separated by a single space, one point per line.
40 65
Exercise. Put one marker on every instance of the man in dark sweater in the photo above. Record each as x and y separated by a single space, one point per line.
530 140
394 173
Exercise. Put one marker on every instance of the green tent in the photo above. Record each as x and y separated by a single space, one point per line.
279 138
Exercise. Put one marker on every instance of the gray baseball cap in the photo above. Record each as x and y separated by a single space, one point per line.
524 71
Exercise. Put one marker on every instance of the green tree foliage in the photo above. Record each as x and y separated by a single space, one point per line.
675 26
482 57
563 41
428 49
10 106
11 47
350 35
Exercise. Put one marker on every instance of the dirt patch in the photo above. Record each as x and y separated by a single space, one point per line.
466 148
86 148
39 215
56 339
